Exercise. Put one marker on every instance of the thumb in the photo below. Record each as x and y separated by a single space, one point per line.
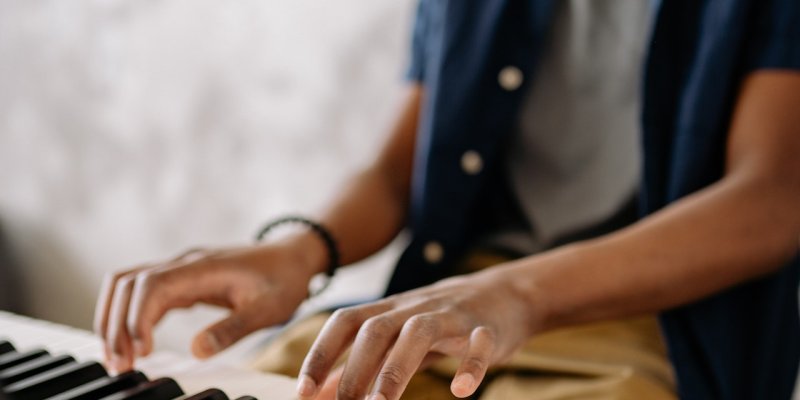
226 332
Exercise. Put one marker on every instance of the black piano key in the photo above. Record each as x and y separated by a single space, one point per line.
159 389
209 394
13 359
55 381
103 387
32 368
6 347
247 398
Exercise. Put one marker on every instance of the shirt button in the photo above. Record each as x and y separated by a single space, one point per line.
433 252
510 78
471 162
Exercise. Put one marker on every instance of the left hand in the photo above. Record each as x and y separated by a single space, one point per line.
480 318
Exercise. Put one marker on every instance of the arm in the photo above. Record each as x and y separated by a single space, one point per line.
371 211
263 284
744 226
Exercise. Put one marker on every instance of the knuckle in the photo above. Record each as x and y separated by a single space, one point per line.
126 281
348 391
234 327
346 316
316 362
146 284
116 347
475 364
377 328
135 330
452 309
423 326
192 254
485 333
392 376
149 280
115 341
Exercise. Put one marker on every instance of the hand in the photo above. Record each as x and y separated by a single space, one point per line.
262 286
479 318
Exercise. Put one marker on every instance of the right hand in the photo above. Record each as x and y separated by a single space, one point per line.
261 285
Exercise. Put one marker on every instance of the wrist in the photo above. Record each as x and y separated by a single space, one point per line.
309 250
531 279
305 246
527 289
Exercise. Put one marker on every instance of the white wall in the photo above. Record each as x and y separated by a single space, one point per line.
130 130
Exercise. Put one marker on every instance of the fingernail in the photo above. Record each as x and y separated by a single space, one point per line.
306 386
463 382
377 396
115 364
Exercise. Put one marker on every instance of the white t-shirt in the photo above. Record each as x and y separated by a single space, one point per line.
575 160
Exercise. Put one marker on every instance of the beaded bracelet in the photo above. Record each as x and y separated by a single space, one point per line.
323 233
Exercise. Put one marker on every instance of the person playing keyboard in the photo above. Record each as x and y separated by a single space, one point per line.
530 272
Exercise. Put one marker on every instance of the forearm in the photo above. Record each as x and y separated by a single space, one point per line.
735 230
371 210
743 226
368 215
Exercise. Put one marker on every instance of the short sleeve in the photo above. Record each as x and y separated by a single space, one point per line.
419 38
774 42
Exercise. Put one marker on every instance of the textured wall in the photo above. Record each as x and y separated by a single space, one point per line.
130 130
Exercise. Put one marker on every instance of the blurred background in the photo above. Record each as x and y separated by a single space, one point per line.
133 130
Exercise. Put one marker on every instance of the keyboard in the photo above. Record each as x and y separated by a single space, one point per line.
42 360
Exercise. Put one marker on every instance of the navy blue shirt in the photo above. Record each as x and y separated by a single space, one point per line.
743 343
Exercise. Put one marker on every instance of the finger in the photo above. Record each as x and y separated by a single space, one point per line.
412 349
239 323
328 390
332 342
190 255
154 294
373 341
104 299
179 284
117 339
107 289
476 361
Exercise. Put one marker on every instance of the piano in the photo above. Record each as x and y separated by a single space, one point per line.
42 360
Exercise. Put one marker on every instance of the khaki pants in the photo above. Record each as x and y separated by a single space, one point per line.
622 359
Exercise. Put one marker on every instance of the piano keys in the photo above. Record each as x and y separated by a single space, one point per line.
39 376
52 382
213 394
5 347
14 358
162 388
41 360
32 368
103 387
